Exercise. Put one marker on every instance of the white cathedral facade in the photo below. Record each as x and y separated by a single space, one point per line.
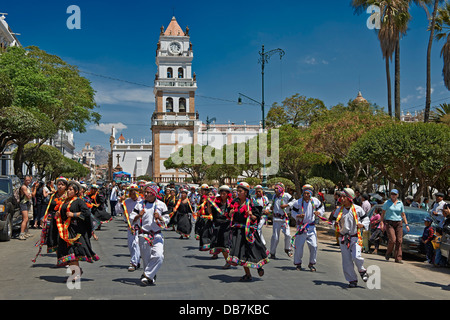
175 122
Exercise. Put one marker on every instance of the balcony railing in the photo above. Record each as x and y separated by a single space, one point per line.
175 83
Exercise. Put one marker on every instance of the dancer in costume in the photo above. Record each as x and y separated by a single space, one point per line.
246 247
98 205
263 201
171 201
49 233
281 202
350 219
199 223
150 217
95 222
74 223
183 212
206 230
133 242
305 211
220 238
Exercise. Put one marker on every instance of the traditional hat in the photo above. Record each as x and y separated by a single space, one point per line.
308 187
243 185
258 187
75 184
204 186
225 188
183 190
94 186
349 193
62 179
153 188
133 187
280 187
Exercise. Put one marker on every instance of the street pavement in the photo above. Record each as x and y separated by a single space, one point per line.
189 275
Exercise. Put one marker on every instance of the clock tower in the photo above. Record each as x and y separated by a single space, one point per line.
174 119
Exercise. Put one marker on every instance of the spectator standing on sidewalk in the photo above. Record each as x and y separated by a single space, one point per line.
425 241
392 215
113 198
438 207
26 195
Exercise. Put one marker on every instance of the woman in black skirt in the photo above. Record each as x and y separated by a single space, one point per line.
75 229
171 201
220 239
246 249
206 229
183 212
49 233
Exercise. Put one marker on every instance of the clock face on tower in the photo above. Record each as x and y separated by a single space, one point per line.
175 48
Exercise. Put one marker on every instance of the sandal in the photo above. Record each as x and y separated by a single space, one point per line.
246 278
260 272
288 252
312 268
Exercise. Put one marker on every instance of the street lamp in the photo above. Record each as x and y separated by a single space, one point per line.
263 59
208 122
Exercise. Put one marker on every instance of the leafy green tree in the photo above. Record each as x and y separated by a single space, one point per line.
48 92
296 110
406 153
295 158
337 129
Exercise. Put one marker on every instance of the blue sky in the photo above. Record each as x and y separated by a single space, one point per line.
330 54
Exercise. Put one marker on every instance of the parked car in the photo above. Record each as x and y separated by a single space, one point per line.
411 239
10 217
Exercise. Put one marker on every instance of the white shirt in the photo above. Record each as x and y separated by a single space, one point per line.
131 204
287 199
113 196
439 207
308 210
347 223
261 203
147 222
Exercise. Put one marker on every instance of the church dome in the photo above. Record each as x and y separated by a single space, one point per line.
359 98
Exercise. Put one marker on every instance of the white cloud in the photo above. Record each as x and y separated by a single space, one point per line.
421 92
106 127
314 61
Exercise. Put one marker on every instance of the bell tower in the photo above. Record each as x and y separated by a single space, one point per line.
175 84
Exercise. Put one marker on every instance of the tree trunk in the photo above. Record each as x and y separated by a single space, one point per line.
18 160
389 89
430 43
397 80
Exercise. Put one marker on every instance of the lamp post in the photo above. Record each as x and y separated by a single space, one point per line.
208 122
263 60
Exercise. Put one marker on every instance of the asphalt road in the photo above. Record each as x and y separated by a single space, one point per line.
190 275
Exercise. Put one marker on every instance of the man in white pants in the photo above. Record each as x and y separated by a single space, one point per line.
133 241
305 211
281 202
150 221
350 219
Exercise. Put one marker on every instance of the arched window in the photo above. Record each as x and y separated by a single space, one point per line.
180 73
182 107
169 73
169 105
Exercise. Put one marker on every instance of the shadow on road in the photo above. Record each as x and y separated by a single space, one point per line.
436 285
229 279
129 281
331 283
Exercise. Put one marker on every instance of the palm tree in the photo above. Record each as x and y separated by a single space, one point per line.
394 16
442 28
432 20
440 112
